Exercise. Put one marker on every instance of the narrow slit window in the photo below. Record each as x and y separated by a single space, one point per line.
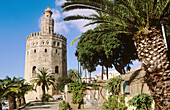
45 50
34 50
56 69
56 51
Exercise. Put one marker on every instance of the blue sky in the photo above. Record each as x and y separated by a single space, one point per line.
19 18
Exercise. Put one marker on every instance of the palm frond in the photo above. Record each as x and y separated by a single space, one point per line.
73 41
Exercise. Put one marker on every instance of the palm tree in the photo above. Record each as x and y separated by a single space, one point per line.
10 89
24 88
44 80
142 20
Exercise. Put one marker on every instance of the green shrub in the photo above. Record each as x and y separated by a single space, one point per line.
46 98
64 106
113 85
141 102
77 89
113 104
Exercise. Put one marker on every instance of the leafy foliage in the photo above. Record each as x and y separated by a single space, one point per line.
12 88
141 102
77 89
132 14
113 104
114 18
43 79
62 81
64 105
105 51
74 74
113 85
46 98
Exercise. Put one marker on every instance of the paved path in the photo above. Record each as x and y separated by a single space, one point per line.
42 106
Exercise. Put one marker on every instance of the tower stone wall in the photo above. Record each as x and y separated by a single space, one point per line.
45 49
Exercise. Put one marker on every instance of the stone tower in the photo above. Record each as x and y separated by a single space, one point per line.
45 49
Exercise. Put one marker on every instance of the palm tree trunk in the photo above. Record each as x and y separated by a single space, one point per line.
23 102
18 102
153 55
43 89
11 102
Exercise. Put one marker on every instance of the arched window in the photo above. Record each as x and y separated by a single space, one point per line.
56 51
58 43
34 50
56 69
34 69
45 50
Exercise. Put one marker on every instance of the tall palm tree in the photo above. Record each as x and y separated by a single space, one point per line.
142 20
44 80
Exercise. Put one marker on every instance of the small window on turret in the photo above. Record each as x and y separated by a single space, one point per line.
58 44
45 50
56 51
47 15
34 50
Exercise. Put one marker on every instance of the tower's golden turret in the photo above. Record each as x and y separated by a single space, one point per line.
48 10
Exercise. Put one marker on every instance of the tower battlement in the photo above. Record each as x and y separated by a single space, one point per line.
36 34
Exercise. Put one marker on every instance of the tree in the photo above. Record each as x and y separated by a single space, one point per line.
24 88
44 80
141 20
9 90
105 51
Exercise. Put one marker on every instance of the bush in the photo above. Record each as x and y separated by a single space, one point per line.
141 102
46 98
64 106
113 104
61 82
113 85
77 89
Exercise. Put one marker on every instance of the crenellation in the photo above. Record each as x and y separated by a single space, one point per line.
61 37
58 35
